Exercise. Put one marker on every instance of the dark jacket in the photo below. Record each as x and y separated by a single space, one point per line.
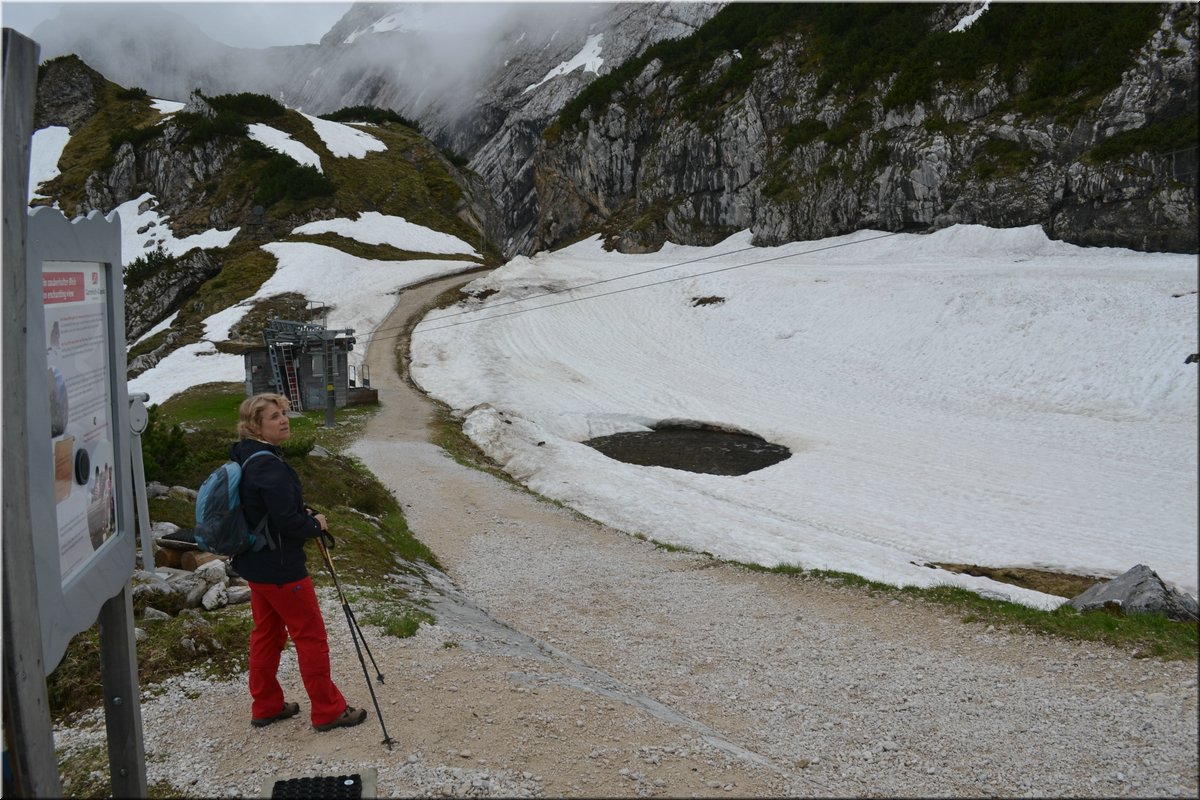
271 487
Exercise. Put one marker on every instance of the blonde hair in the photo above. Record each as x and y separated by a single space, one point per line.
250 413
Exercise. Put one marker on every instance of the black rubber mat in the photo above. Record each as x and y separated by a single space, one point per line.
343 787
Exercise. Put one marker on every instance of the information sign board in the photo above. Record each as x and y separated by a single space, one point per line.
74 297
80 474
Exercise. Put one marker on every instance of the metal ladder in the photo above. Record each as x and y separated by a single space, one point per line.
289 369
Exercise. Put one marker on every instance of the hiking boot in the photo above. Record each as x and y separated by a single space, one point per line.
348 719
288 710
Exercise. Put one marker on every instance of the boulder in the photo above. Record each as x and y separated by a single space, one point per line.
155 489
142 576
1139 591
212 570
192 588
238 594
216 597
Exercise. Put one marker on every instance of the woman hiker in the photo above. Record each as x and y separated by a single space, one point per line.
282 598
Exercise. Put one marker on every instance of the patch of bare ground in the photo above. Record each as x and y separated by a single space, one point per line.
1060 584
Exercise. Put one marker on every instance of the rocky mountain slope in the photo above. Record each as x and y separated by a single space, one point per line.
807 121
682 121
204 168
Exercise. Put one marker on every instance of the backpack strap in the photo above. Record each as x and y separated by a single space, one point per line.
262 526
257 453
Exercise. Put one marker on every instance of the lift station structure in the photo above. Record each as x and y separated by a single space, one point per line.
304 361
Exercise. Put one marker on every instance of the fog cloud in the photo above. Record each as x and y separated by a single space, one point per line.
416 58
265 24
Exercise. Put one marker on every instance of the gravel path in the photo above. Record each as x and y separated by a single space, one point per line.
570 659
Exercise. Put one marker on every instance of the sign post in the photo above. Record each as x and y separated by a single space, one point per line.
69 545
28 734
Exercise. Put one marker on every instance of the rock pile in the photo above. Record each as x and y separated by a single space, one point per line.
186 577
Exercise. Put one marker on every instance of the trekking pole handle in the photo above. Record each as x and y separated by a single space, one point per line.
325 536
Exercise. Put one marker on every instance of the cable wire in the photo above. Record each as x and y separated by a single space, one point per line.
419 329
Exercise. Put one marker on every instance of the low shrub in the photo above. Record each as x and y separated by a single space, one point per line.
1177 133
202 129
164 451
247 105
283 178
378 116
144 267
803 132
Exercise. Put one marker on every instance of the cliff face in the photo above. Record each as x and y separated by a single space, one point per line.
791 161
782 139
503 132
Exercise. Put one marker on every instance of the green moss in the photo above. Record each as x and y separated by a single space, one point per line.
219 650
147 345
400 620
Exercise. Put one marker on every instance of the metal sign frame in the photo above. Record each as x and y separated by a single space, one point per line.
68 604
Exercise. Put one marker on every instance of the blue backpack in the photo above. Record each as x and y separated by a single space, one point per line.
221 527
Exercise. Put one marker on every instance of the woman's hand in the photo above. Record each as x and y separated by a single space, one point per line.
320 518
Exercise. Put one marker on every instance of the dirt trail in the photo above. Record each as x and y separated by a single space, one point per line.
570 659
668 673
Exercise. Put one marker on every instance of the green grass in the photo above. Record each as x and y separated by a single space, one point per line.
1141 635
377 252
400 620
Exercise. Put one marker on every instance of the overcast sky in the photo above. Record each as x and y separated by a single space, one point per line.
261 24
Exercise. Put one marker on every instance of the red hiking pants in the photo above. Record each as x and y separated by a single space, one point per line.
280 611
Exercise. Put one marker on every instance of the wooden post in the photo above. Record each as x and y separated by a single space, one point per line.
28 734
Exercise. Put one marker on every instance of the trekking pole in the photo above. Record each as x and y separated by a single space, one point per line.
345 605
355 636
